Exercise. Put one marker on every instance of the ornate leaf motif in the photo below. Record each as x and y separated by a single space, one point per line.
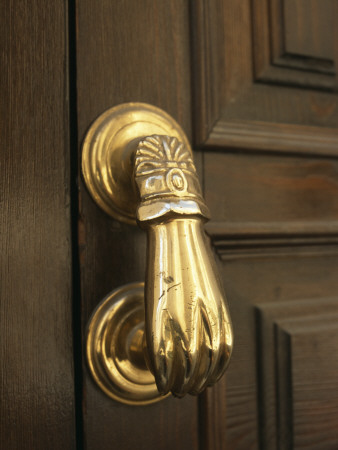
160 153
166 179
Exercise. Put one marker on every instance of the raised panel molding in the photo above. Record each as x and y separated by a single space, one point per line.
294 42
297 347
264 202
263 240
251 94
274 137
309 28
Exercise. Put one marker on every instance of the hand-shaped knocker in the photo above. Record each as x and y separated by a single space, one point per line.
180 333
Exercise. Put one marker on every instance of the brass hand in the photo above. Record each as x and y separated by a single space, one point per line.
137 164
188 330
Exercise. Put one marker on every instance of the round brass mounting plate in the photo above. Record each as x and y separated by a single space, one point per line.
107 152
115 347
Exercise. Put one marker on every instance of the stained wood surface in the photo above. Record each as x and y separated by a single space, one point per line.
128 51
36 356
309 28
289 284
242 74
275 213
261 189
314 366
302 37
286 330
255 135
295 42
275 217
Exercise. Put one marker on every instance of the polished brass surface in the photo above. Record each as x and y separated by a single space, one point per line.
108 149
166 179
115 347
188 335
188 327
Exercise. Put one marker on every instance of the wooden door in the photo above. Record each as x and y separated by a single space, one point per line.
37 405
253 84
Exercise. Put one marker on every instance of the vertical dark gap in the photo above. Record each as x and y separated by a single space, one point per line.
252 35
290 412
193 105
270 28
259 374
277 346
74 207
203 421
283 25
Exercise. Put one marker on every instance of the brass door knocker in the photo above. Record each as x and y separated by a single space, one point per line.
174 334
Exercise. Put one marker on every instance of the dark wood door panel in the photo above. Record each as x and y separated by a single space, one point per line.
286 291
36 353
298 370
249 91
309 28
274 213
295 43
270 195
255 83
128 51
312 351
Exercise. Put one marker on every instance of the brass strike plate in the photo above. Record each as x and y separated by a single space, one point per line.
107 152
115 347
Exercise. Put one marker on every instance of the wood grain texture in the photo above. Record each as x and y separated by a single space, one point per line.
284 207
302 36
261 188
208 67
309 28
285 331
128 51
212 418
274 137
314 366
294 285
37 388
278 239
295 43
243 82
222 56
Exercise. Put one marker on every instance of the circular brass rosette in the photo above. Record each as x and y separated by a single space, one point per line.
108 149
115 347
